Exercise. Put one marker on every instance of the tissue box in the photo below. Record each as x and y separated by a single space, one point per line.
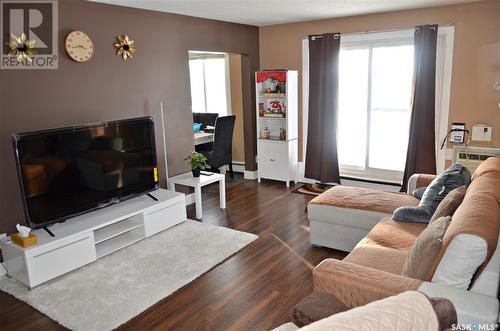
24 242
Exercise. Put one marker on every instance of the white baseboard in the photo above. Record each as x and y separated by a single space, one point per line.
348 182
237 167
251 175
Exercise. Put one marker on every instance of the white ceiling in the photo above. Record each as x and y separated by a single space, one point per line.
268 12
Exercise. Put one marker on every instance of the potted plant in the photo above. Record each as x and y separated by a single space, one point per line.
198 163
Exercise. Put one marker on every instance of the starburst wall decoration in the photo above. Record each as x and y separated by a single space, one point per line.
126 47
21 47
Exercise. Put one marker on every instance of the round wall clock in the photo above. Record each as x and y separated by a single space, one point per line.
79 46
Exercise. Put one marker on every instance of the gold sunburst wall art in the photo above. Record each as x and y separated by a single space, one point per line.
21 47
125 47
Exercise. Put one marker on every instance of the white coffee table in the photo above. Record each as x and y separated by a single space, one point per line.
197 183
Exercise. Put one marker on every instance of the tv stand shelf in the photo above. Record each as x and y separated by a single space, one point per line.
110 231
83 239
120 241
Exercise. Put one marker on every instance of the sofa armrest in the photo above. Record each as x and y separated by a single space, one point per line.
357 285
419 180
471 308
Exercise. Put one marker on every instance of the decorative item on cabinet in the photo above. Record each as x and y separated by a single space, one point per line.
282 134
276 109
125 46
261 109
281 87
264 133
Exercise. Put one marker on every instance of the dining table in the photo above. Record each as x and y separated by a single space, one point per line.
202 137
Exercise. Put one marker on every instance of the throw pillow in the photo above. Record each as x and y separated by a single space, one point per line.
418 192
450 203
455 176
463 256
425 248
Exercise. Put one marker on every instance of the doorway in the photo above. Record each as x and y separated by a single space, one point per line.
217 90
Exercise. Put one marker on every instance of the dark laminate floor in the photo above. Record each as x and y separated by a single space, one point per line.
253 290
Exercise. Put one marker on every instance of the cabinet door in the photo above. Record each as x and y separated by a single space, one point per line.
164 218
273 160
67 256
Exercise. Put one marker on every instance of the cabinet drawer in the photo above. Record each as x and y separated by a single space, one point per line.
60 260
165 218
273 160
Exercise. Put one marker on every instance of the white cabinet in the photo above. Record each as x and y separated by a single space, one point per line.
277 126
85 238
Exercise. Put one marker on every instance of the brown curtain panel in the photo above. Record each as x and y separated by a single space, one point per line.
421 154
321 154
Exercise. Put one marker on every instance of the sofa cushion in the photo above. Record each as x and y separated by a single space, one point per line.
424 249
356 285
378 257
477 216
316 306
450 203
455 176
386 246
364 199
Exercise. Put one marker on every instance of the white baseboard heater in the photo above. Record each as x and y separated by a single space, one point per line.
471 157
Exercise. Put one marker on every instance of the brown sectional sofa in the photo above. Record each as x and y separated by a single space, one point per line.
372 270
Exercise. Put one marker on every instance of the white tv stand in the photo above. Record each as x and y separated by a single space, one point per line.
83 239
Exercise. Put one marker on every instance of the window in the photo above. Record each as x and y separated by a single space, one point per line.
209 83
375 83
376 72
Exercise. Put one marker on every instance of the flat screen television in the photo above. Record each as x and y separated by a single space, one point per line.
68 171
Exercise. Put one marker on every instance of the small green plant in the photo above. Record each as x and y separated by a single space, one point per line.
197 161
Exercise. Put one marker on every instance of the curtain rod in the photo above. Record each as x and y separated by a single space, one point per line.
376 31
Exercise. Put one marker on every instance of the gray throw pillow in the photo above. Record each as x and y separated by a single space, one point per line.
419 192
455 176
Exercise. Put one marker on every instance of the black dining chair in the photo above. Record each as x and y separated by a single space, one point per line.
205 119
222 152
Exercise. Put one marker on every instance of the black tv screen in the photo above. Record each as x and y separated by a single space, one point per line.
68 171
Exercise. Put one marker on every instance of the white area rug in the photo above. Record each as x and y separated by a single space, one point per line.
118 287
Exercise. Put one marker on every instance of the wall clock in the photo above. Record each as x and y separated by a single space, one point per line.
79 46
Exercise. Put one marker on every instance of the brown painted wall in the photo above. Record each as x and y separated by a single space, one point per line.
237 107
476 56
107 88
